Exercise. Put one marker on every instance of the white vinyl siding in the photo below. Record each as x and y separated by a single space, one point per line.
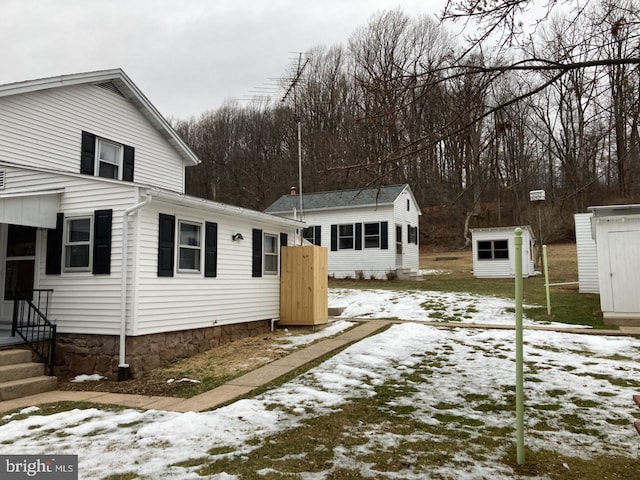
587 254
82 302
43 129
190 301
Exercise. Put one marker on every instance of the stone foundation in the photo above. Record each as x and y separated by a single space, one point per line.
89 354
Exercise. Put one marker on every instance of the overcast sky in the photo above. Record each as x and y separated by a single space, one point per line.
187 56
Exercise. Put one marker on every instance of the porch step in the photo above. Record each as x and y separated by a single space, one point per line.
18 371
27 386
13 356
20 377
409 274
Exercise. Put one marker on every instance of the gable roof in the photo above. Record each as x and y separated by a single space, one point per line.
357 197
117 81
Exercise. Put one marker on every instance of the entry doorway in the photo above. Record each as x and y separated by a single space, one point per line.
18 256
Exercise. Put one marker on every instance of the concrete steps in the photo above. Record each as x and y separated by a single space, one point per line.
20 377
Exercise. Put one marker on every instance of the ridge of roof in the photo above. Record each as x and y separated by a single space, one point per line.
129 90
354 197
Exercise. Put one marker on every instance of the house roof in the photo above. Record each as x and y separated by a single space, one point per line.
509 229
115 80
615 210
357 197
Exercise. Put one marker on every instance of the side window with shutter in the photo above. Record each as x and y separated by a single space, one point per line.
256 253
211 249
105 158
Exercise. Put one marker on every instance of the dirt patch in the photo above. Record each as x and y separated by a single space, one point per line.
199 373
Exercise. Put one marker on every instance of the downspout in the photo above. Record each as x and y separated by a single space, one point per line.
124 372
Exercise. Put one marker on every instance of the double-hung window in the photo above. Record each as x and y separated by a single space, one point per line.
270 254
190 245
345 237
77 244
108 159
372 235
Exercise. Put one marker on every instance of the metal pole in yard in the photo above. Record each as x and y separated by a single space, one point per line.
545 263
519 350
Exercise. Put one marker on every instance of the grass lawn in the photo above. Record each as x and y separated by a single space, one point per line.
454 273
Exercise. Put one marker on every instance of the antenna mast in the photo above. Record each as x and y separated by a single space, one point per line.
292 89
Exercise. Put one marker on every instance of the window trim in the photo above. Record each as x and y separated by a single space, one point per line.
340 237
267 254
492 250
180 247
119 161
66 243
370 236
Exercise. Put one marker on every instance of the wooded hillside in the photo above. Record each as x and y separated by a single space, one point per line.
472 131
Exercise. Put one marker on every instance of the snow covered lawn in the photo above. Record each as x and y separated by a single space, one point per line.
412 402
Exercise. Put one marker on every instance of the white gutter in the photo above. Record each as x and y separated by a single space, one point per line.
123 367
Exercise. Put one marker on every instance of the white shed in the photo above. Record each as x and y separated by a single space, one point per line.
494 252
617 235
587 254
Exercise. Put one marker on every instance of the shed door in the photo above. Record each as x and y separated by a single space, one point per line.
624 262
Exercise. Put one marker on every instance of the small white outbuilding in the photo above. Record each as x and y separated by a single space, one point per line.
494 252
617 236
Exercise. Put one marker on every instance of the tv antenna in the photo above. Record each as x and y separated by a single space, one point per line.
295 79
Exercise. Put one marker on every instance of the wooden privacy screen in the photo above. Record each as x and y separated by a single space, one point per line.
303 286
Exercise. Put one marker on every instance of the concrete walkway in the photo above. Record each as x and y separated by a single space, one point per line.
218 396
257 378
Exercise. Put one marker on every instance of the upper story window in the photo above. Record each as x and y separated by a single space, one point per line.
493 250
270 254
77 244
189 246
106 158
372 235
345 237
109 159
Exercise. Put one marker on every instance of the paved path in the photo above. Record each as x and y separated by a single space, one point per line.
213 398
257 378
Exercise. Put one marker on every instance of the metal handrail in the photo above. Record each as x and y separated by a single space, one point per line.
33 326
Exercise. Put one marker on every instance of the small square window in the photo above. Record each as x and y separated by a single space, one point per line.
189 247
77 244
493 250
270 254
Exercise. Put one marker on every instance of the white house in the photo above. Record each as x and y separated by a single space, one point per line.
93 213
493 252
370 232
617 236
587 254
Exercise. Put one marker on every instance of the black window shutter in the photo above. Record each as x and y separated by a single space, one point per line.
127 163
415 238
102 220
358 239
54 247
409 230
316 235
284 239
256 254
88 154
334 238
166 245
384 235
210 249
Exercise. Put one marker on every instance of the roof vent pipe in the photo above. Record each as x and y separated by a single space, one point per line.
293 190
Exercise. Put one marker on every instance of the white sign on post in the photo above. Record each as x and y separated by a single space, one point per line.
536 195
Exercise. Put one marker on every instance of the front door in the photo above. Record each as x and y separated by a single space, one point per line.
18 244
624 258
399 252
